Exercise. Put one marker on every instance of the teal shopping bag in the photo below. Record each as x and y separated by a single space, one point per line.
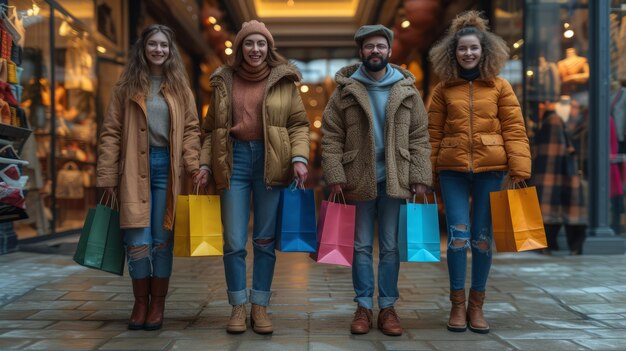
101 245
418 232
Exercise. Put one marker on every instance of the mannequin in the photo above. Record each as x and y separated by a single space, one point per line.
573 68
563 107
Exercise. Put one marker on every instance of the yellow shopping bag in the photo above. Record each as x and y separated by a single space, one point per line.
517 221
198 226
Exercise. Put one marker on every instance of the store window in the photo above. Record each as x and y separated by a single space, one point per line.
60 111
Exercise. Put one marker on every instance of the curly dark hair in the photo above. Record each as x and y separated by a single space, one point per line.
495 51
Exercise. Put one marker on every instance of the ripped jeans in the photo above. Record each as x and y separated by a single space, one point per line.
247 180
456 188
149 250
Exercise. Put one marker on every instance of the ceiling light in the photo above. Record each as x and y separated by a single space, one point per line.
406 24
565 25
568 33
317 124
304 88
530 73
101 49
228 44
217 27
228 51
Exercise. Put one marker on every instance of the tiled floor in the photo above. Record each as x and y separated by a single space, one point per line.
534 302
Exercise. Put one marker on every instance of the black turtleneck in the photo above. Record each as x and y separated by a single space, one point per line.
469 74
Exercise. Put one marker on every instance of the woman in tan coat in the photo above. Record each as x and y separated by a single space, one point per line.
477 135
256 141
150 137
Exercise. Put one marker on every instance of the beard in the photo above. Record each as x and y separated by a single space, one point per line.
375 67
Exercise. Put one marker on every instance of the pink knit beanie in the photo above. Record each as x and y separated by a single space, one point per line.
252 27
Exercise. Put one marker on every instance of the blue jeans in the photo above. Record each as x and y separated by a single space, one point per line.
384 209
149 250
246 179
456 188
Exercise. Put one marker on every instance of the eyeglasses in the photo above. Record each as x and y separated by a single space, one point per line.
380 47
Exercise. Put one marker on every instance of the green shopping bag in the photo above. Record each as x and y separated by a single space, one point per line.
101 245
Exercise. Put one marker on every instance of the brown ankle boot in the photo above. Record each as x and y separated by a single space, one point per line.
458 313
362 321
260 321
158 291
141 290
476 320
388 322
237 322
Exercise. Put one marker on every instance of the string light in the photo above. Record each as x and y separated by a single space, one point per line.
405 24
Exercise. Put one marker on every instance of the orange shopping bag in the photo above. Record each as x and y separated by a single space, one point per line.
516 219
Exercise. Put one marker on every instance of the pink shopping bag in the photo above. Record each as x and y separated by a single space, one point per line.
335 234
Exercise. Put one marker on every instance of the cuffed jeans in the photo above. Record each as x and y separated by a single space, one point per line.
385 210
246 179
156 259
456 188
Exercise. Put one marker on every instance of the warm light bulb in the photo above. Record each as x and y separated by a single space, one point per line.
304 88
101 49
405 24
530 73
217 27
228 44
317 124
228 51
568 33
212 20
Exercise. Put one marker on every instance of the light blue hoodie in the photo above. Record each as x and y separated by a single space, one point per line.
378 92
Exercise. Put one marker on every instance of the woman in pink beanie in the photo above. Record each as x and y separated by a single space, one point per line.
256 142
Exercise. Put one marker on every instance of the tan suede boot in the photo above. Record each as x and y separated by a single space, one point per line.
141 291
237 322
260 321
458 313
476 320
158 291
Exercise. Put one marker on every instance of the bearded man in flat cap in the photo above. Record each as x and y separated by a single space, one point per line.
376 151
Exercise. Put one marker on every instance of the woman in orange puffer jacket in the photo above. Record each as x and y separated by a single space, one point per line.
477 135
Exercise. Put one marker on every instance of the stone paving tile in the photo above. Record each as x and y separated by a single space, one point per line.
406 346
63 334
601 308
87 296
136 344
76 325
60 315
66 344
23 324
331 343
36 295
542 334
543 345
275 343
470 345
13 343
13 314
603 344
43 305
214 345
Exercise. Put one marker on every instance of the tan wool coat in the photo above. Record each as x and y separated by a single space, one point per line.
285 127
123 154
348 147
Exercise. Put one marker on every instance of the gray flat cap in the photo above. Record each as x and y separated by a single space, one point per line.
371 30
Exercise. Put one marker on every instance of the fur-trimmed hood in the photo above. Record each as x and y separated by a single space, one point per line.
495 51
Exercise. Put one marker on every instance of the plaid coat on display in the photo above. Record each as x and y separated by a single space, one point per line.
556 174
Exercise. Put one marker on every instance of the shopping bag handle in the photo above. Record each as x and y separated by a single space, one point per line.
425 198
510 185
112 197
333 196
296 184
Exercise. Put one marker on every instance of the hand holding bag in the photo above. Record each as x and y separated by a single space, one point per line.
296 230
516 219
198 227
101 245
335 233
418 232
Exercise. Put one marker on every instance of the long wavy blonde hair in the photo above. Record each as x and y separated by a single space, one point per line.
495 51
136 76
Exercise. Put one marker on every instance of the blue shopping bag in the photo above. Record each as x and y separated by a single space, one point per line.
418 232
296 229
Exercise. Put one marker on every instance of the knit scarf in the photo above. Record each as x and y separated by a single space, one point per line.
469 74
254 74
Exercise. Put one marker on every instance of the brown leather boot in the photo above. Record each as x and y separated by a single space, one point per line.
141 290
237 322
476 320
388 322
362 321
458 313
158 291
260 321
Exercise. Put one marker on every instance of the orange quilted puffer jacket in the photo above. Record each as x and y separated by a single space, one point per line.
478 127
